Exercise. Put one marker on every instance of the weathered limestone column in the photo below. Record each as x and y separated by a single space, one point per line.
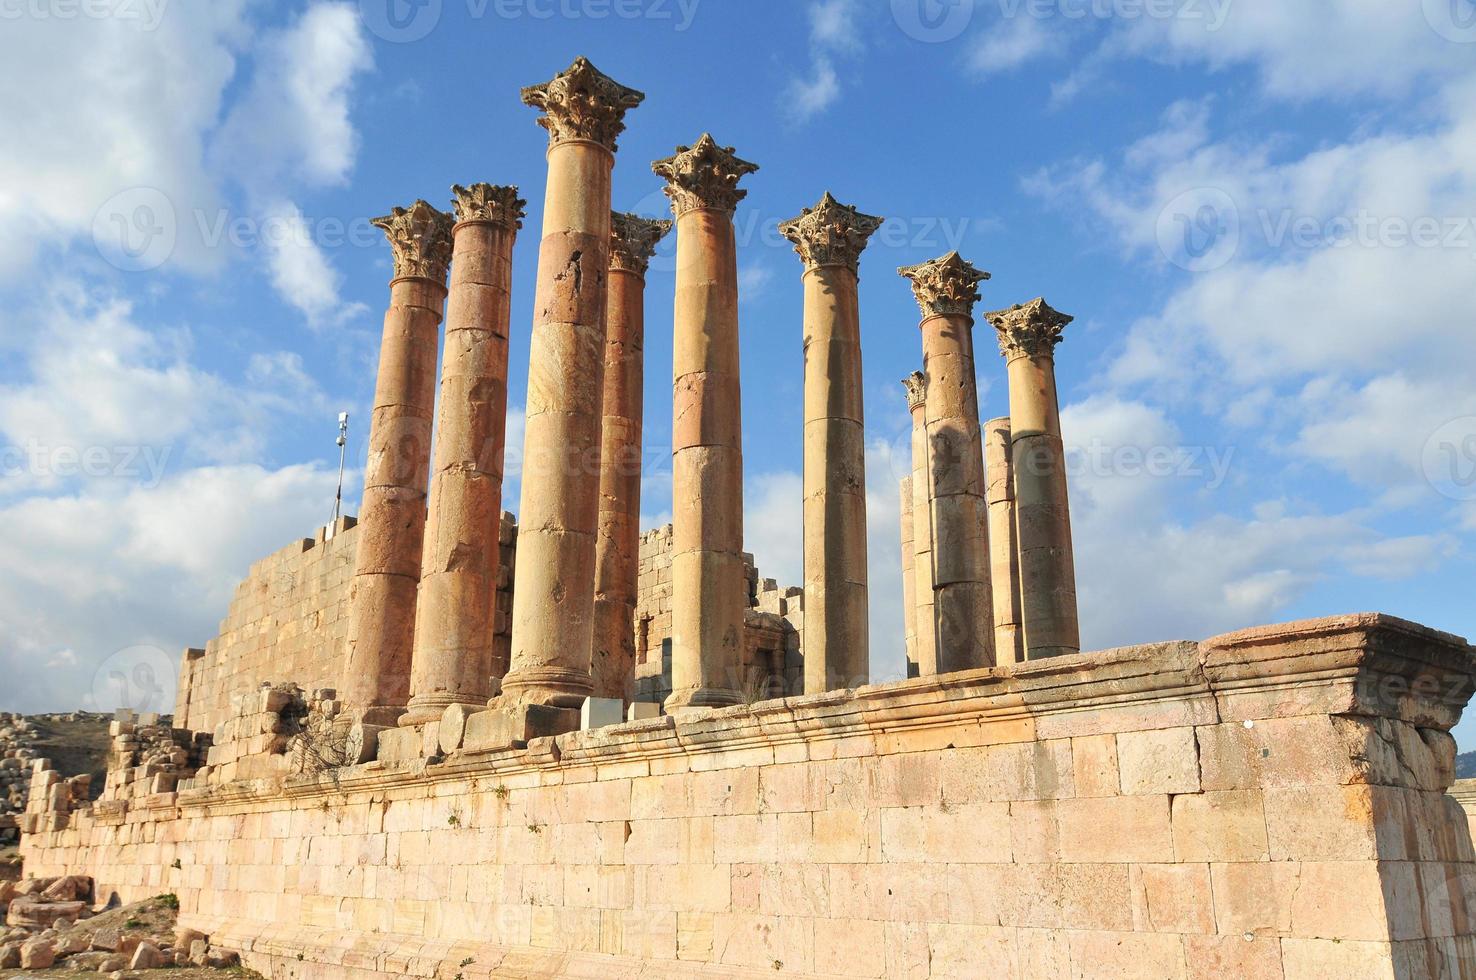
633 241
830 238
455 618
947 289
1028 335
909 577
922 529
708 584
1004 551
381 633
553 592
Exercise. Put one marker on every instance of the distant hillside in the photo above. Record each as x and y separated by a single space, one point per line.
1466 765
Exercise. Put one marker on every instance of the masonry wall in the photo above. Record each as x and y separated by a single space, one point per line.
288 621
1268 804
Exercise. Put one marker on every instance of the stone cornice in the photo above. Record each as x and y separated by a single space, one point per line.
1030 329
1366 664
583 103
916 384
633 240
420 236
704 175
945 286
830 233
492 203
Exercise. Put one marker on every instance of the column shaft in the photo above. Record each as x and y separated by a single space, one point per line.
836 631
922 540
909 576
376 680
553 592
1004 552
836 642
456 615
617 546
1028 336
709 581
708 592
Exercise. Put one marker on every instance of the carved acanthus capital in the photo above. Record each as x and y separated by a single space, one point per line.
947 286
492 203
633 240
916 384
703 176
583 103
1030 329
420 236
830 233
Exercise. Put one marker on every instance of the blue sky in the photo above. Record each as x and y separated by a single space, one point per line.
1261 216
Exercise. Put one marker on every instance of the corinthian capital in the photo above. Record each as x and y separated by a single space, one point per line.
830 233
946 286
421 239
633 240
703 176
488 202
583 103
916 384
1030 329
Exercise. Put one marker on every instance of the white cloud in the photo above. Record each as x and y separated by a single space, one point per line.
294 121
301 272
110 568
1007 43
773 525
110 104
834 34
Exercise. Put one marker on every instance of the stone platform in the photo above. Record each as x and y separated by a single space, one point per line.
1270 803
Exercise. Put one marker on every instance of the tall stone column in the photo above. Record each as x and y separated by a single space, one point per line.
633 241
553 592
922 529
1004 551
947 289
455 618
1028 335
708 580
909 577
830 238
381 633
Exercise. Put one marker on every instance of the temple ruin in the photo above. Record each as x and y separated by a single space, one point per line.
439 741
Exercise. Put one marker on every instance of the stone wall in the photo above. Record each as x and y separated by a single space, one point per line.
771 660
1265 804
288 621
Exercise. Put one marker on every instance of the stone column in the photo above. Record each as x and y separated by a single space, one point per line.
455 617
1028 336
633 241
947 289
830 238
709 593
1004 551
909 577
922 529
553 590
381 633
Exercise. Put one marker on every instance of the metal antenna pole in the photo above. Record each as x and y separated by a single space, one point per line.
343 420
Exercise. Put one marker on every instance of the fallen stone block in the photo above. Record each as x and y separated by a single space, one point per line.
37 954
69 888
31 914
146 957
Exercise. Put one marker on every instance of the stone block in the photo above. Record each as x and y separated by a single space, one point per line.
597 713
642 711
1220 826
1124 828
1165 760
1094 761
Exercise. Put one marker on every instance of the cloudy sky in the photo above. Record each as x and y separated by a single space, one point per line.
1263 217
